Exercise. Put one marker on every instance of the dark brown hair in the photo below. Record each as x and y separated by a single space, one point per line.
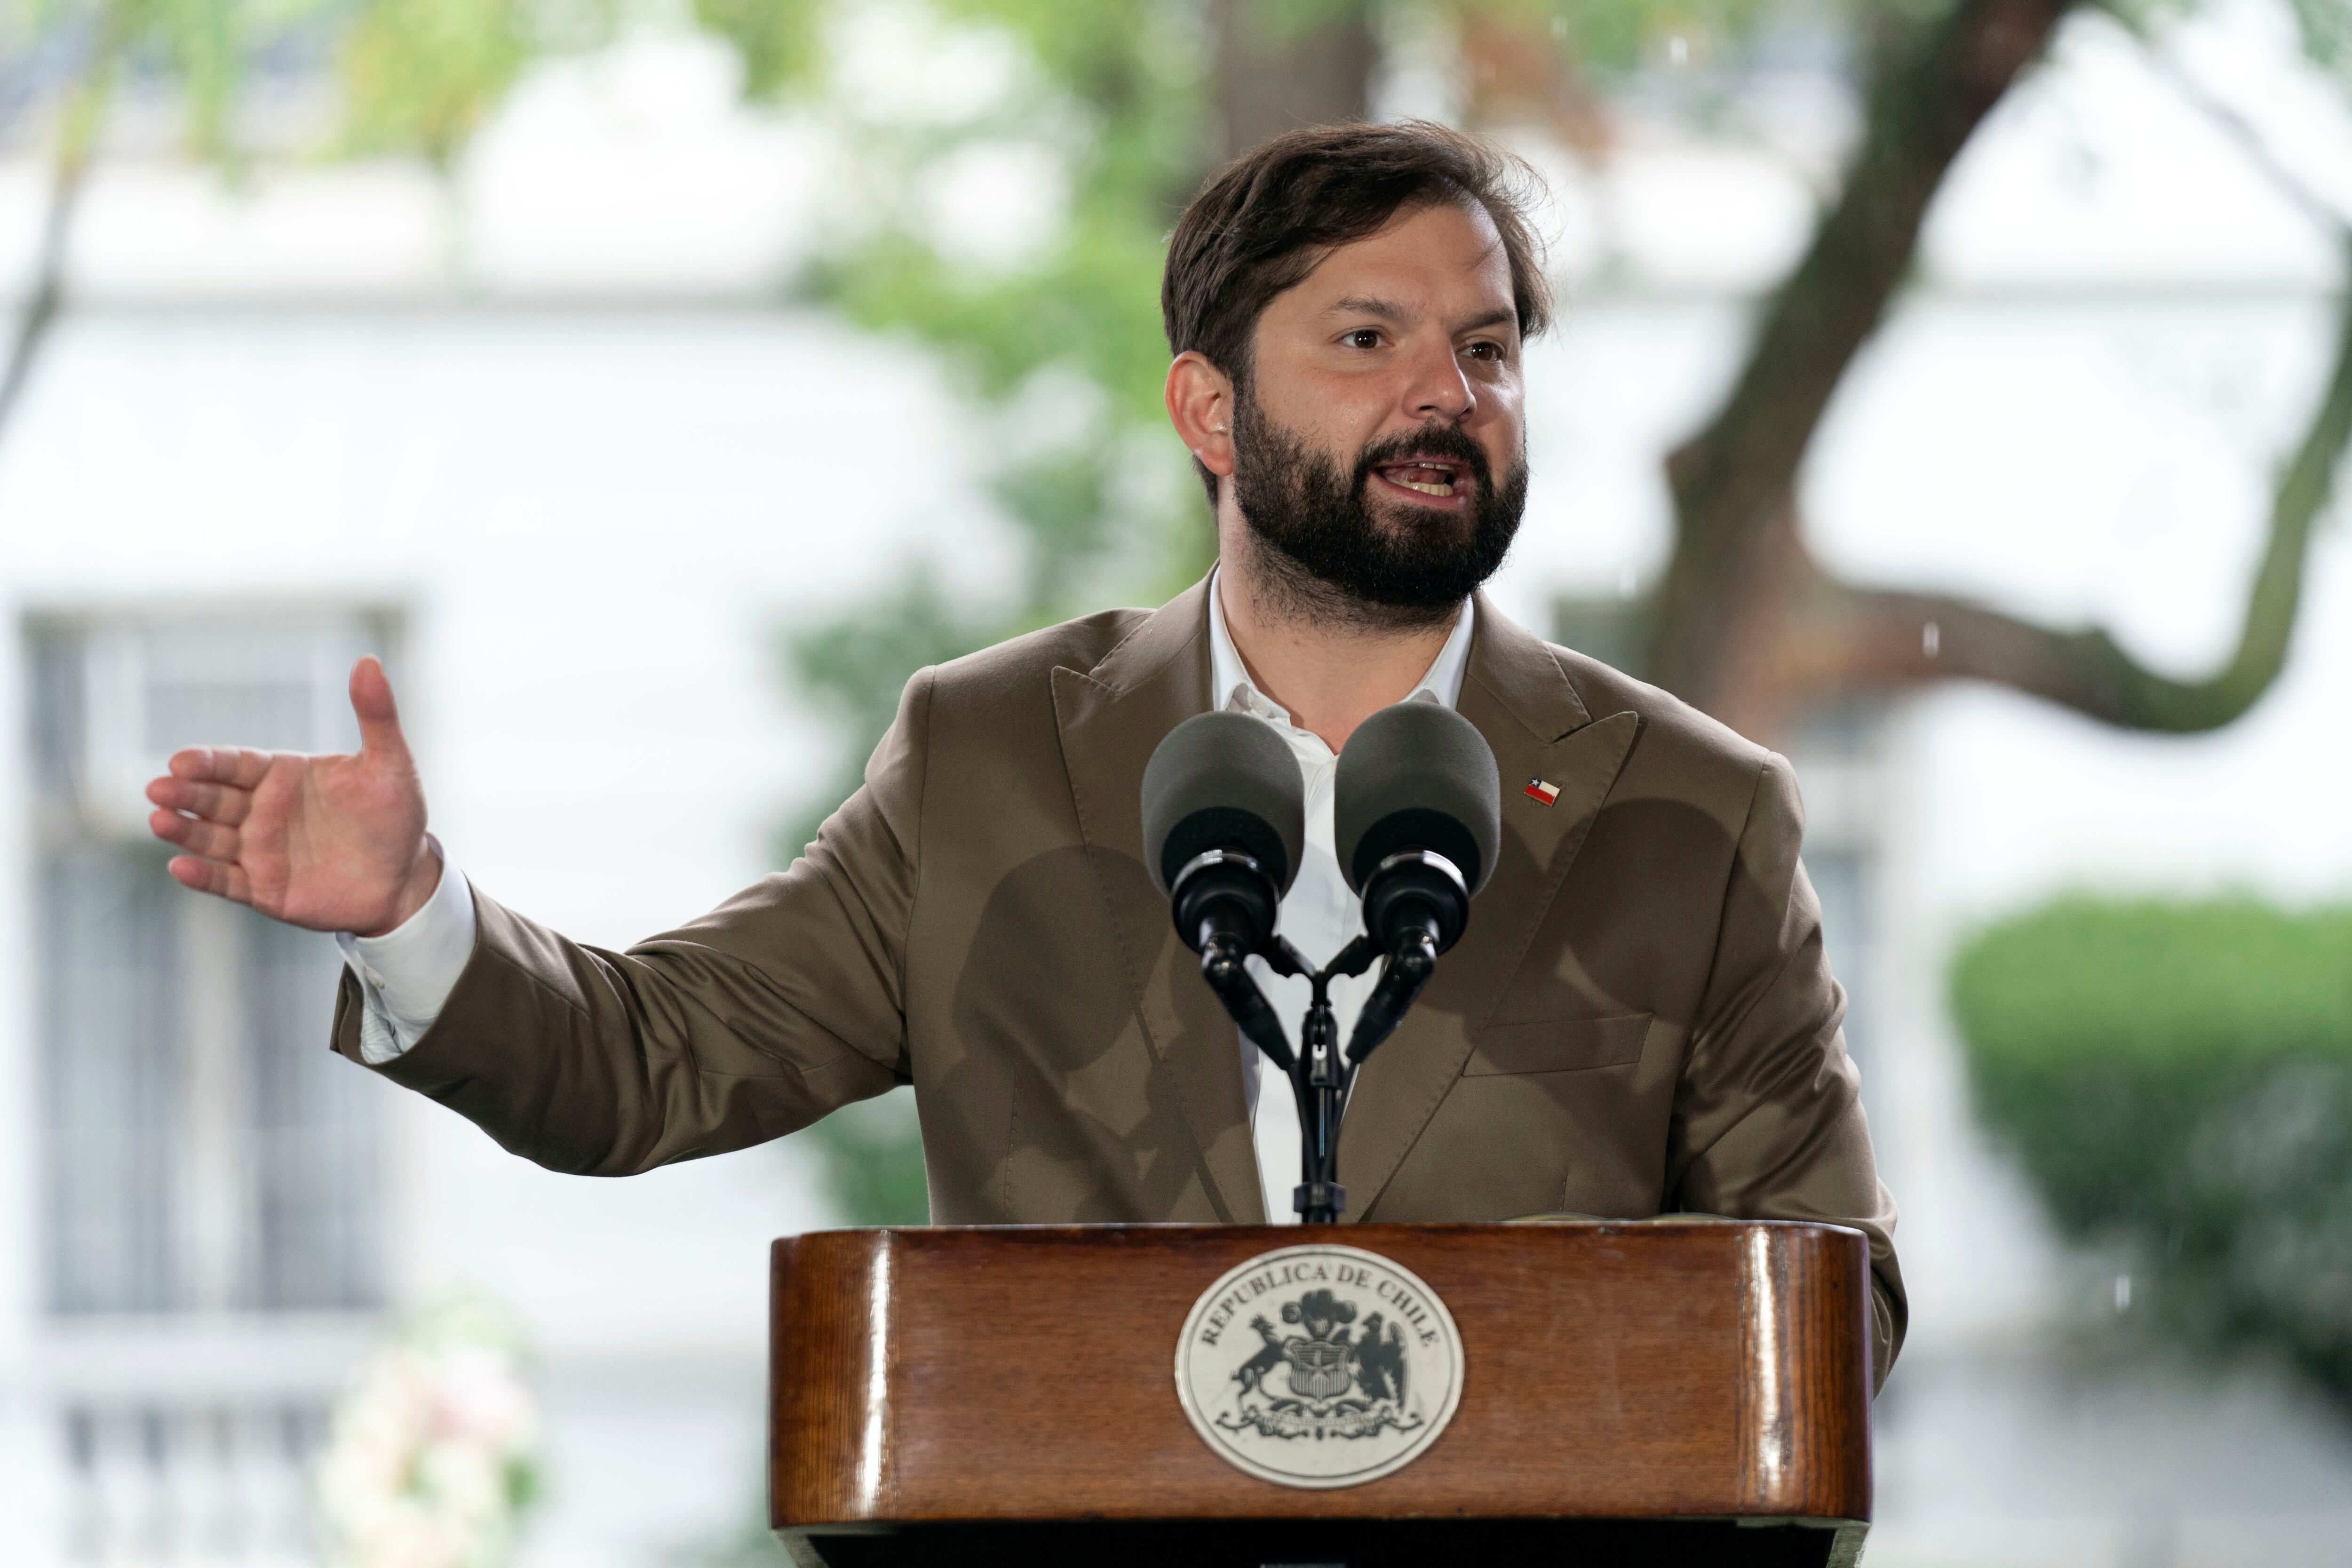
1260 226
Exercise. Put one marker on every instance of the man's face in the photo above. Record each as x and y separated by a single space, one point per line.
1379 440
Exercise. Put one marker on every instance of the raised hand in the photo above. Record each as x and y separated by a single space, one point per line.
332 843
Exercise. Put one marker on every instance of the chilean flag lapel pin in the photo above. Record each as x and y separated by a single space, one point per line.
1538 790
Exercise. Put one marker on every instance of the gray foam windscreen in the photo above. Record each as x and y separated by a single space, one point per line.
1418 775
1219 780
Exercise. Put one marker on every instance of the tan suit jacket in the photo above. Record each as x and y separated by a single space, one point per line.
1639 1019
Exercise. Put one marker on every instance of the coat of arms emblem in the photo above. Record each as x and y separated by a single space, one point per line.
1319 1366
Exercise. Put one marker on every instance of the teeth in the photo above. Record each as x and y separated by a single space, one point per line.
1429 481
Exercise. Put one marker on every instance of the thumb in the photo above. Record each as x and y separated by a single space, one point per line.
372 704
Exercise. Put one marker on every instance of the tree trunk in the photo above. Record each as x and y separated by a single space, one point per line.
1734 482
1804 635
1749 627
1274 76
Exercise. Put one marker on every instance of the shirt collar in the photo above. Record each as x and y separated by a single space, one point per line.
1230 685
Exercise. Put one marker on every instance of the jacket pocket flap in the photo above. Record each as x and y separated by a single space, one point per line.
1558 1045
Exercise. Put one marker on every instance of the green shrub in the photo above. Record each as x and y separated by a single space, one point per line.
872 1162
2177 1080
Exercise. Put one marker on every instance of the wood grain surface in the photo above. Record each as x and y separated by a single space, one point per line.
1683 1370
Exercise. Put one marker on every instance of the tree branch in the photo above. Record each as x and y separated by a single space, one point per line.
1929 93
1923 112
1518 75
2250 140
84 116
1884 639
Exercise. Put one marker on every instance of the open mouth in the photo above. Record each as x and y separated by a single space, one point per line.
1440 477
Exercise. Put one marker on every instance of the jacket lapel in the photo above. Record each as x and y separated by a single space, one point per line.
1517 695
1111 718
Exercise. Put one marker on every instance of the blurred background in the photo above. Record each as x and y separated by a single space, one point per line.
1948 394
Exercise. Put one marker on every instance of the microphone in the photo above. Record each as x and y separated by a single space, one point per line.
1224 824
1418 815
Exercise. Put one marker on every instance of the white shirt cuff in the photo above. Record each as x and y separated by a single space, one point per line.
405 975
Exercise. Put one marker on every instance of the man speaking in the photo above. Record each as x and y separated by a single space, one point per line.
1638 1019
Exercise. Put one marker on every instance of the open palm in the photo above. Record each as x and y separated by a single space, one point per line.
329 842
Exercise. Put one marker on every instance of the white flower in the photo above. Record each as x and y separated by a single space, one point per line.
428 1447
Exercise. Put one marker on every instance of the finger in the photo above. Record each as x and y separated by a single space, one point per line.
238 766
211 877
371 702
209 839
215 802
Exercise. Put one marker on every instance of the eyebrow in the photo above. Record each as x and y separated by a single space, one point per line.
1366 305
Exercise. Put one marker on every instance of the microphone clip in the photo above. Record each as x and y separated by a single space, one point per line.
1415 904
1320 1075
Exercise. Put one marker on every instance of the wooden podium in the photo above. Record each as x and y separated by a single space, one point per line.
1653 1392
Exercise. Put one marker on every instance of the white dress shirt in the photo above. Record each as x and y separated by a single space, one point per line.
1320 914
406 974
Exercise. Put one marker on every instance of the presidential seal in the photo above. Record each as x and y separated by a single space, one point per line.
1319 1366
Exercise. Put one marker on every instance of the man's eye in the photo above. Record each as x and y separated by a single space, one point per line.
1484 351
1363 338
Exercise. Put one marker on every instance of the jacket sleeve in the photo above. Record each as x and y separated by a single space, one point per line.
751 1022
1768 1121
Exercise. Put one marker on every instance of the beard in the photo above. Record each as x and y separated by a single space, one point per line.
1331 558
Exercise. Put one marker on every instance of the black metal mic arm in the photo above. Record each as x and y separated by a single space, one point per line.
1410 964
1319 1078
1415 906
1224 965
1319 1074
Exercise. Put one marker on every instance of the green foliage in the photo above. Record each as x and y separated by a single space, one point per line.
2327 30
204 45
874 1162
421 75
1111 95
777 40
199 46
1112 91
417 76
1613 39
855 669
2177 1080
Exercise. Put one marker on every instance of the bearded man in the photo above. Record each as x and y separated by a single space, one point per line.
1639 1019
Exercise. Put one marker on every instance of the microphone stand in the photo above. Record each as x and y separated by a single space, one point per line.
1320 1076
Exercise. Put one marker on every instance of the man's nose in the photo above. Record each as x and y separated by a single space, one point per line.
1437 388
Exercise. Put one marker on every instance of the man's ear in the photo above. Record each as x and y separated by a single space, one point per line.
1199 400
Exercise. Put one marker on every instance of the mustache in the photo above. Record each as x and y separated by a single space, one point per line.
1429 441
